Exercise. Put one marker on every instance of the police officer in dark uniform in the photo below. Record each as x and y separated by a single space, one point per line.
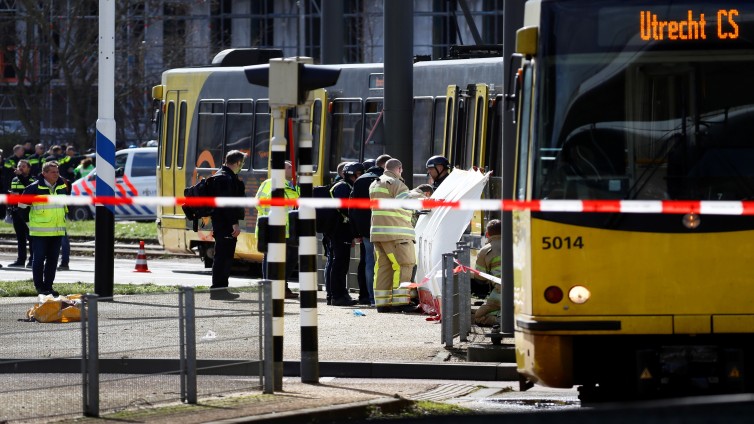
19 183
438 169
341 237
225 226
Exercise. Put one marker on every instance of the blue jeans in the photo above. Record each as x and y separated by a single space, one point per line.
45 262
369 259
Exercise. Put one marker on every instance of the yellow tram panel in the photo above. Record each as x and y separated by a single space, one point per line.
639 273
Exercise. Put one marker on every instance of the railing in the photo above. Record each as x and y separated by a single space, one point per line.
130 351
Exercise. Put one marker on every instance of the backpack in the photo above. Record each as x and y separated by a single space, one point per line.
201 189
326 217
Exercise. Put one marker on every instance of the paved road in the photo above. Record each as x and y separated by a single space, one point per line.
188 271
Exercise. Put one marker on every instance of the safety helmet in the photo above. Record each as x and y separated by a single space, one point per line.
437 160
369 163
352 168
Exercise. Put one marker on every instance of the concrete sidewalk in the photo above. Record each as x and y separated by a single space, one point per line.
332 400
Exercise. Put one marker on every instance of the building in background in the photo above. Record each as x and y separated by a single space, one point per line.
48 51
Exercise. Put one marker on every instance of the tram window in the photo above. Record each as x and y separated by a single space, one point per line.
181 135
423 110
478 132
450 112
374 133
458 153
345 139
316 128
169 135
437 134
209 134
261 149
239 122
494 144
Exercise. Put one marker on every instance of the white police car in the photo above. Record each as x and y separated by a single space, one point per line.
135 175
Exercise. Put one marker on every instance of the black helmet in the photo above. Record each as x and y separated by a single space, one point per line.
437 160
352 168
369 163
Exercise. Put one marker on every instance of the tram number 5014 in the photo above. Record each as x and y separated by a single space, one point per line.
558 243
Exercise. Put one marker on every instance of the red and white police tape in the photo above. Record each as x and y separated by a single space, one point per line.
603 206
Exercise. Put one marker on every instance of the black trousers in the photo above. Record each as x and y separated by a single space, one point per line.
22 237
361 275
225 248
46 253
338 262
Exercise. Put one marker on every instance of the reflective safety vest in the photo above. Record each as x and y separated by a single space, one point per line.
390 224
47 219
265 192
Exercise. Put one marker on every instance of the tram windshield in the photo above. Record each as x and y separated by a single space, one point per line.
645 102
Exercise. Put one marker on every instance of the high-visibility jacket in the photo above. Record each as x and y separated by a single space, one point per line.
265 192
18 185
390 224
47 219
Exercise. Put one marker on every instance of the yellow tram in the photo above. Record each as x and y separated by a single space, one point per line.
635 100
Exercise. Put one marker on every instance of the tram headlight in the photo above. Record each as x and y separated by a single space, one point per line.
691 220
553 294
579 294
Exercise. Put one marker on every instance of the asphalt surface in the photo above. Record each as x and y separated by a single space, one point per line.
365 358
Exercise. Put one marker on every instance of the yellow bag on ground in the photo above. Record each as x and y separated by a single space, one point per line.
56 309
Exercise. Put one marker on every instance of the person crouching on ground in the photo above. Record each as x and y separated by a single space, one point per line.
489 261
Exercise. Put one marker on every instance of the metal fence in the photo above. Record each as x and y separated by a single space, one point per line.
456 296
130 351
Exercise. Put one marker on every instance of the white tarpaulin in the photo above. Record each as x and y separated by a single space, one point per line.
440 230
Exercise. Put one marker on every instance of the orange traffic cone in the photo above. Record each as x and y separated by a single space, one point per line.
141 259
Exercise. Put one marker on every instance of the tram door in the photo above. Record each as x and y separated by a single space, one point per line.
174 140
318 127
172 162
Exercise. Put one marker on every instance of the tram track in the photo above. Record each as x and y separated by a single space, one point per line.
123 248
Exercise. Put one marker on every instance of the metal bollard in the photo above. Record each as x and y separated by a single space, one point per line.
90 347
269 365
448 299
190 317
464 292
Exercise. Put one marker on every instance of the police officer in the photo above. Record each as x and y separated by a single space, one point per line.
393 236
341 237
10 165
291 191
37 159
19 183
438 169
225 226
47 227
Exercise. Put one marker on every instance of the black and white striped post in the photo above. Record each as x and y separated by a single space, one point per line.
276 237
283 74
307 275
290 80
